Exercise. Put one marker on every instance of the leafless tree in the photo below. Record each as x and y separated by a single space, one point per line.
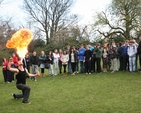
122 17
6 31
50 15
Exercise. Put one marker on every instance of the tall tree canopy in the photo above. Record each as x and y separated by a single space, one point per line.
51 15
121 17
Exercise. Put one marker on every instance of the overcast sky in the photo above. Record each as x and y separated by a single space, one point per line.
84 8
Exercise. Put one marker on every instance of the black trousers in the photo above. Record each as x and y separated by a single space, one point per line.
93 65
60 66
88 66
125 62
5 75
64 68
25 91
73 66
98 62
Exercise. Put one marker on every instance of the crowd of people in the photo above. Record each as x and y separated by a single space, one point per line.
86 59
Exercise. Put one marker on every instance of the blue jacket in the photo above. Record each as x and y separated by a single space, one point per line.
81 53
124 50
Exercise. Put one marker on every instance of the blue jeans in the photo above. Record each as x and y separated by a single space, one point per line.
69 67
132 63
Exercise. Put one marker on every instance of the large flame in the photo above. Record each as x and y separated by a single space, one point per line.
20 41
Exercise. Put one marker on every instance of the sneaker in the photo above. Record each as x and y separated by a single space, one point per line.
89 73
112 71
26 102
14 96
72 74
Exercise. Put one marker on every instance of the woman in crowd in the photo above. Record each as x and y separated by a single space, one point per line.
4 69
113 57
9 73
27 61
65 59
55 61
105 58
50 61
42 59
72 60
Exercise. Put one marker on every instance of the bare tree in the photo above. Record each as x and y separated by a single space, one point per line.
122 17
6 31
50 15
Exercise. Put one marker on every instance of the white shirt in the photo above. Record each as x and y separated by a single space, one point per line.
132 50
56 57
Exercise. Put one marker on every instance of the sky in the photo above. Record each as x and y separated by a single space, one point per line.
84 8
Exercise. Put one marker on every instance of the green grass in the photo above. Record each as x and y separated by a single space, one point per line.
96 93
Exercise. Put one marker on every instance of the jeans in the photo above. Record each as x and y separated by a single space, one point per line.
34 70
25 91
88 66
82 66
69 67
115 64
132 63
55 67
50 70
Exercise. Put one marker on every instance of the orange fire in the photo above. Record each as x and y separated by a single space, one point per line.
20 41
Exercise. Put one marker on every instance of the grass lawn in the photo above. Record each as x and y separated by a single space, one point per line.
96 93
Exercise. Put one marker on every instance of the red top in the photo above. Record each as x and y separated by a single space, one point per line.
15 60
4 65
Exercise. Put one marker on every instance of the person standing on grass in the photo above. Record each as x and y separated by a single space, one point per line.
34 63
14 65
98 56
69 63
49 60
125 56
120 51
132 51
87 59
139 52
72 60
113 57
15 60
60 62
65 59
105 58
81 52
136 44
56 61
9 73
21 73
4 69
27 61
42 60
